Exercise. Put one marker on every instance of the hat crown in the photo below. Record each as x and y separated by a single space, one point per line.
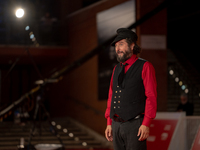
127 33
124 33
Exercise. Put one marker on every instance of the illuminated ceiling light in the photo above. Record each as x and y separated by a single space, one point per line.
84 144
180 83
58 126
65 130
186 91
27 28
76 139
199 94
19 13
53 123
71 135
183 87
176 79
171 72
32 36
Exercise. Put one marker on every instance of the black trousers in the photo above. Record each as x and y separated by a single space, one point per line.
125 135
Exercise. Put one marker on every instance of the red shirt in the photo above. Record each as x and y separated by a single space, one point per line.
150 85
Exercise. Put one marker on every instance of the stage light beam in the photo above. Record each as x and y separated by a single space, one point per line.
19 13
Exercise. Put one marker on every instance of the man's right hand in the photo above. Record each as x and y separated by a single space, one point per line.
108 133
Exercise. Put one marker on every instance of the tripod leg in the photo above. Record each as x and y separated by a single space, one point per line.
34 122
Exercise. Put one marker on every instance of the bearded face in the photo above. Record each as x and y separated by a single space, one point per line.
123 51
122 56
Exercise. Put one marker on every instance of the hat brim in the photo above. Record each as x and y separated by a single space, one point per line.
118 38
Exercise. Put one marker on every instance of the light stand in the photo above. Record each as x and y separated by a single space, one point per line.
40 99
38 111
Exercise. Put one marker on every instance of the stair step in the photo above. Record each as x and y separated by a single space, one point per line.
66 147
33 142
2 139
11 133
37 134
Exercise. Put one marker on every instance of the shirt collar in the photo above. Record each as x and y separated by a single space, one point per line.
131 60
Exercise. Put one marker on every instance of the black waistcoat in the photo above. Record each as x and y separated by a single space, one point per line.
129 100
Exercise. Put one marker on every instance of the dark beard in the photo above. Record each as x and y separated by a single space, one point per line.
125 57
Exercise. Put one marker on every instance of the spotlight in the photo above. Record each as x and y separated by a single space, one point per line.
171 72
53 123
65 130
84 144
76 139
71 135
183 87
58 126
32 36
176 79
186 91
19 13
27 28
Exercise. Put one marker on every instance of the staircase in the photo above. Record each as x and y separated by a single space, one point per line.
73 135
183 71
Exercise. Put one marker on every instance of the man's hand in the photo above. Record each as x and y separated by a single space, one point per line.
143 132
108 133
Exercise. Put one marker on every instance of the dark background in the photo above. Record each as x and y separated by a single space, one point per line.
183 29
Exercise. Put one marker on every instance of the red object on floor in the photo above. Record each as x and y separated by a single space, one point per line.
161 132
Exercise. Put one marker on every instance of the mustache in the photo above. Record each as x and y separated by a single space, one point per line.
120 52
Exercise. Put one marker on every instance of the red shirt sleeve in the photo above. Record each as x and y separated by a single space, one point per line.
150 85
107 113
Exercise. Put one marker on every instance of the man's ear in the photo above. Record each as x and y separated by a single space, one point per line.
132 46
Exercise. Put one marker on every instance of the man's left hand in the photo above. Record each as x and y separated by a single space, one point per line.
143 132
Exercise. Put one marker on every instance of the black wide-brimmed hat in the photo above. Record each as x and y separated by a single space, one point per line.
123 33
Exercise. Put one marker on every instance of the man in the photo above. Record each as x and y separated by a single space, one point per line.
185 105
132 98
